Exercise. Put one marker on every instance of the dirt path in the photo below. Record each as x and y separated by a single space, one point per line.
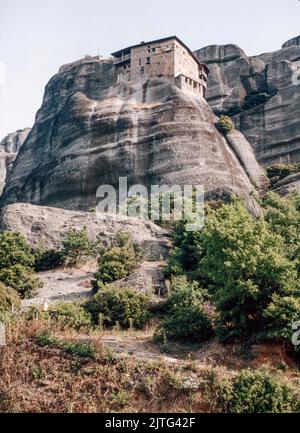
137 347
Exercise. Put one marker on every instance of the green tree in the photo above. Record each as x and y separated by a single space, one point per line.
15 250
186 319
77 246
119 261
21 279
246 264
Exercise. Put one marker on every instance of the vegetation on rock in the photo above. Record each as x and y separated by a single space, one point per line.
255 98
77 246
118 261
225 124
278 172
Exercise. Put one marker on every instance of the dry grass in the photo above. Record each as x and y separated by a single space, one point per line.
45 379
48 379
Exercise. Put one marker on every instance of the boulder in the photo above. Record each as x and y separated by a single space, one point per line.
46 227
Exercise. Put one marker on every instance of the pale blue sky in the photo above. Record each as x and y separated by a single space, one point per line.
37 36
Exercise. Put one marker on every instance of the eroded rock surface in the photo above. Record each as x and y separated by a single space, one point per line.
91 130
262 94
45 226
288 185
9 148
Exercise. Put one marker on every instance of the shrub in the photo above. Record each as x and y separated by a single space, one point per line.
83 350
21 279
124 306
118 261
186 319
77 246
15 250
71 315
257 392
48 260
278 172
225 124
255 98
9 300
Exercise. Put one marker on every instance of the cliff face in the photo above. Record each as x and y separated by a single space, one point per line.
9 148
91 131
261 94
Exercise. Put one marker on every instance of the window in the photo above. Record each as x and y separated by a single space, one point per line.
142 70
153 50
148 61
140 62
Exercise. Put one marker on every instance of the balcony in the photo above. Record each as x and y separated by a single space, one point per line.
122 59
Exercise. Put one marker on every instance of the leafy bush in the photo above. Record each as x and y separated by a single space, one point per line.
71 315
278 172
47 260
9 300
257 392
186 319
15 250
283 217
21 279
118 261
280 316
77 246
225 124
125 306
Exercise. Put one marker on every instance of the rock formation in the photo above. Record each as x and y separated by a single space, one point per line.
288 185
91 130
9 148
46 227
261 94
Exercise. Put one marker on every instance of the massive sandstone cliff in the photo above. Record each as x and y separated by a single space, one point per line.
9 148
262 94
91 130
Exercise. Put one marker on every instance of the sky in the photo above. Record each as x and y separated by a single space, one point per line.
38 36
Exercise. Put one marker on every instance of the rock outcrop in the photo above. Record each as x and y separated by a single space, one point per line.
46 226
261 94
91 130
9 148
246 156
288 185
